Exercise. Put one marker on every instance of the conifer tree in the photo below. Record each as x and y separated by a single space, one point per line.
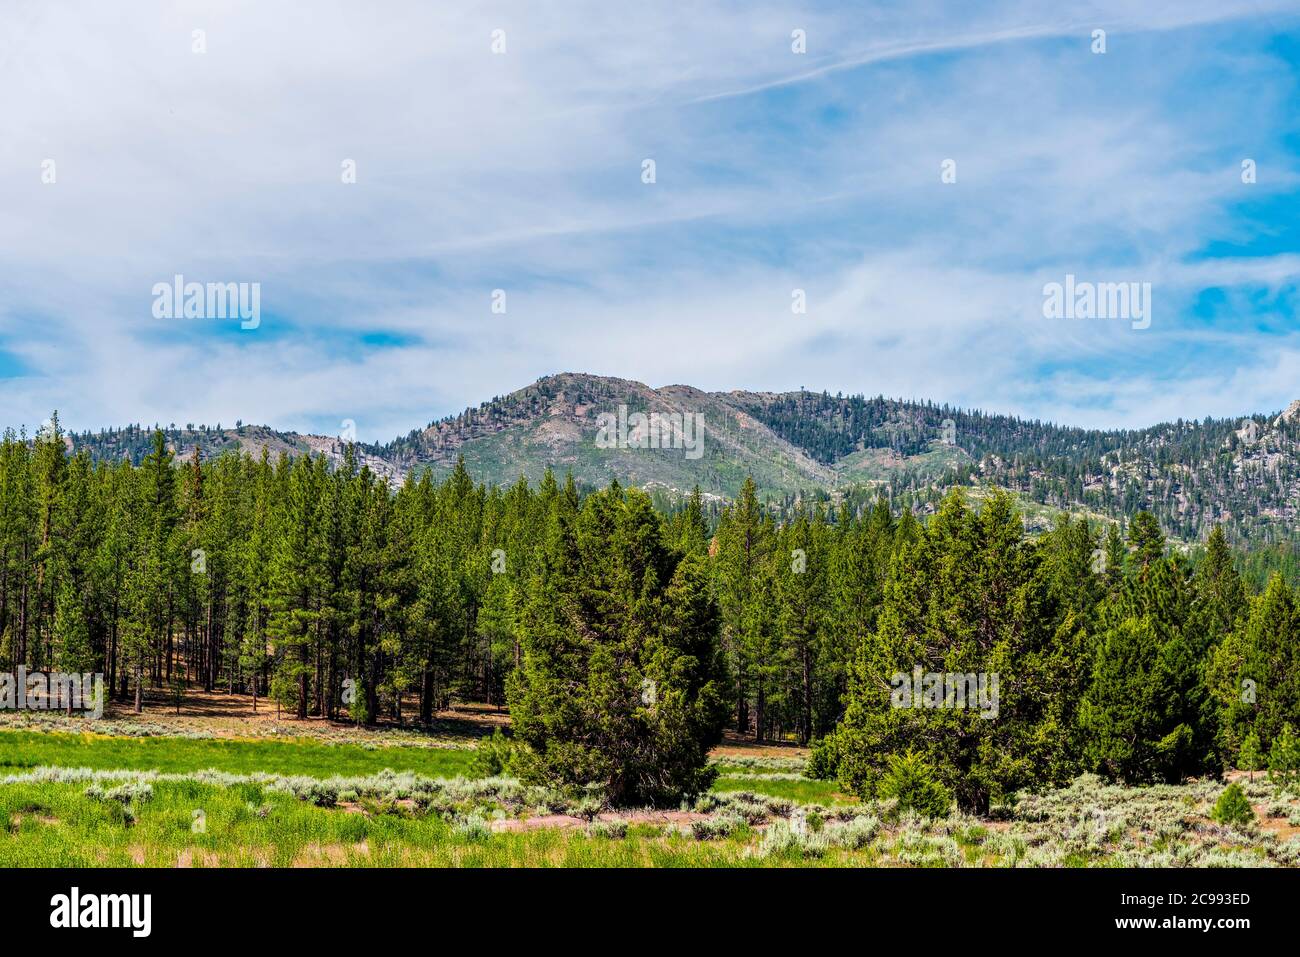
621 681
742 566
800 592
688 530
78 623
155 564
1134 731
1115 555
1255 671
1145 539
295 580
1220 595
257 555
1149 669
1250 755
964 599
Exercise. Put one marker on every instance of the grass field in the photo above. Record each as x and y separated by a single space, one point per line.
30 749
55 825
166 800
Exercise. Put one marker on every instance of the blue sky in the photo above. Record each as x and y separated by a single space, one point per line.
522 171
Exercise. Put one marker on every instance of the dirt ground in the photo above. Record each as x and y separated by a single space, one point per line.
735 746
562 821
222 715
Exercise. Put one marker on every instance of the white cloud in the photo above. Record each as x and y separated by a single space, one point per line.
521 171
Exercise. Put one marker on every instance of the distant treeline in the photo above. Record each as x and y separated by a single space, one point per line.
1185 472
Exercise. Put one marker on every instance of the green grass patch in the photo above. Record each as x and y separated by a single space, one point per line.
57 825
805 790
20 750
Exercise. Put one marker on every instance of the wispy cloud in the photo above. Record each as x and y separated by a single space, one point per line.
522 171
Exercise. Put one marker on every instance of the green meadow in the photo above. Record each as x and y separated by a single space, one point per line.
30 749
94 800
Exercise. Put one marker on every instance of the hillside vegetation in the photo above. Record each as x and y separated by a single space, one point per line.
1243 475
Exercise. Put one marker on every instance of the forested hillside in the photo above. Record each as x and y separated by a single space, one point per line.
1243 474
805 446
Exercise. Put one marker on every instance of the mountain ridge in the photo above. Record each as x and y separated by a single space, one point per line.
1244 473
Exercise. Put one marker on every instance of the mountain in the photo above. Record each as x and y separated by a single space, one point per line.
556 423
816 446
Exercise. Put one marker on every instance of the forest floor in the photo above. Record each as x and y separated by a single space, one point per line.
215 786
219 714
233 715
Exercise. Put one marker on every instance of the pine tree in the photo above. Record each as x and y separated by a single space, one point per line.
621 680
1151 669
800 591
688 530
1145 539
1220 595
154 568
742 564
965 598
1284 758
1141 710
1250 755
296 582
78 624
1255 671
257 555
1115 556
49 467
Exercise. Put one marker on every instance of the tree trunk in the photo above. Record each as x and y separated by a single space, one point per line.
805 733
302 686
426 696
210 672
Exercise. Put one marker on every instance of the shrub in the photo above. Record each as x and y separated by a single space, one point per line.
321 793
1284 758
919 849
824 762
706 803
783 836
913 783
611 830
133 792
710 828
474 828
1233 807
754 808
494 756
1288 852
855 834
588 807
1250 756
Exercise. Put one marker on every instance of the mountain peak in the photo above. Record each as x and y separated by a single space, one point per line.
817 447
1290 414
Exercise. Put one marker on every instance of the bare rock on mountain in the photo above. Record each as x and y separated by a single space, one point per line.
1290 415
